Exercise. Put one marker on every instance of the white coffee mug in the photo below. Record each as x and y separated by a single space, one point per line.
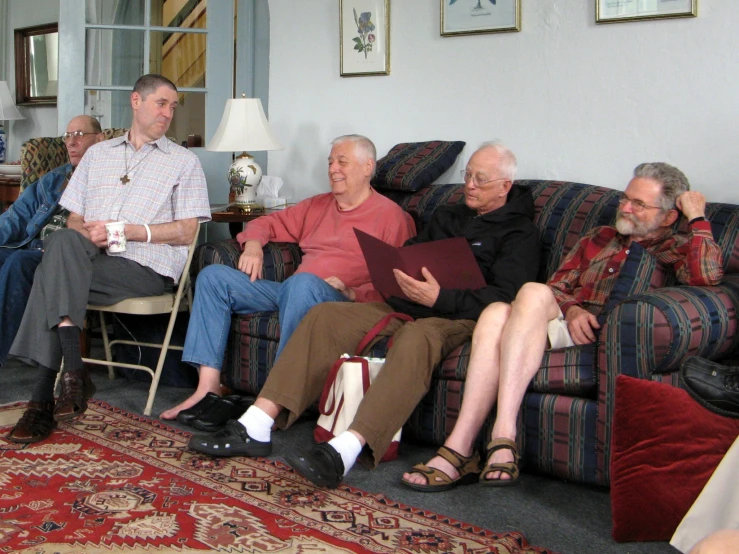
116 236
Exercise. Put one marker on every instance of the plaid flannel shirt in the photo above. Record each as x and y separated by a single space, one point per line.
589 272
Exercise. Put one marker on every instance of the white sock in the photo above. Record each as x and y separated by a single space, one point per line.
258 424
349 447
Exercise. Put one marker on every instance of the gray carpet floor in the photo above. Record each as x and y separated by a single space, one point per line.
566 517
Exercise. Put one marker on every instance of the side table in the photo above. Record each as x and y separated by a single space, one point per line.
10 189
236 219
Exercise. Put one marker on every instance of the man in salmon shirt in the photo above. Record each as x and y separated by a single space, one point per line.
332 268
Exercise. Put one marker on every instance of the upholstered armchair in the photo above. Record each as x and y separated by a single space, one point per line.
41 155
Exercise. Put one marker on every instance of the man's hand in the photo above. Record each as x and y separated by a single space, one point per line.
581 324
692 204
339 285
421 292
252 259
97 233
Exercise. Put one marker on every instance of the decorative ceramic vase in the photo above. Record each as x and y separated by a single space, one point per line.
244 175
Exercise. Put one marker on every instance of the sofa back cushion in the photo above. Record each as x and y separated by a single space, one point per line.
564 213
724 220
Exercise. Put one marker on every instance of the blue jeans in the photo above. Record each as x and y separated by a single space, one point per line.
17 267
221 291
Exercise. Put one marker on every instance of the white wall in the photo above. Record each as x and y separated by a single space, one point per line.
574 100
40 120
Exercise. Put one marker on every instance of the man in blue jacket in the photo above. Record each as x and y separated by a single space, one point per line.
32 217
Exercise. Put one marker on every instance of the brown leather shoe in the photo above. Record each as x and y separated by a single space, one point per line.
36 423
77 389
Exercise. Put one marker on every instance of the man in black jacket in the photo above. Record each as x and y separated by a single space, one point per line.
497 221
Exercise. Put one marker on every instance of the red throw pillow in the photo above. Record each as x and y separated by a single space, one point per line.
665 448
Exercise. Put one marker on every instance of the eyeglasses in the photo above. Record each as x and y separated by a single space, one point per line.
75 135
476 179
637 205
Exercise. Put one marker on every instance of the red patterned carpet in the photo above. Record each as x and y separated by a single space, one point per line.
119 482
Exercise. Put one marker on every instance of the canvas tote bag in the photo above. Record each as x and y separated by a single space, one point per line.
347 383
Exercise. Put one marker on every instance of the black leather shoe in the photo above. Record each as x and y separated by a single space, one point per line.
714 386
187 416
77 389
233 440
322 465
221 411
36 423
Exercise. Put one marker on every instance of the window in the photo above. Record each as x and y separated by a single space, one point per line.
125 39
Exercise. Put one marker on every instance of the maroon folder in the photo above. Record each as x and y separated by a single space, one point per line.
450 261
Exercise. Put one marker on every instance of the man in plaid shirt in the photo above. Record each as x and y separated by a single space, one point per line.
509 340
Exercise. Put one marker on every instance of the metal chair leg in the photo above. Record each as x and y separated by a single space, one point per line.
106 345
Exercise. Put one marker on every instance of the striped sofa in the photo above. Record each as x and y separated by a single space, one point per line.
565 422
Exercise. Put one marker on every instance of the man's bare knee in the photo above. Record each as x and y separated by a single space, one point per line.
495 315
536 298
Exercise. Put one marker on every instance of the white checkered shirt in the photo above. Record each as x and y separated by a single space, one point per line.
166 184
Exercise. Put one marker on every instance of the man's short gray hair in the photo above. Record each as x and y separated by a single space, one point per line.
673 181
508 164
146 84
363 146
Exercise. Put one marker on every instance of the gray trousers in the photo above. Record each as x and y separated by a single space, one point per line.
74 272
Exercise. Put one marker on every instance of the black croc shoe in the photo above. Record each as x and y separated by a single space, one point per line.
233 440
321 465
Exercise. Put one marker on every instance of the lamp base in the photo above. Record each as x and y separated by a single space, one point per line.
244 175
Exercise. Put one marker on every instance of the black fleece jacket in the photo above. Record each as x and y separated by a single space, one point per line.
505 243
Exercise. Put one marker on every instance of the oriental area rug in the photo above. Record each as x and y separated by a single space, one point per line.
112 481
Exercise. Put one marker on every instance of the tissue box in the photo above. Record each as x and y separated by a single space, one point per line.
273 203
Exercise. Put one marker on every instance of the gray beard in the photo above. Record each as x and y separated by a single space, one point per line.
628 227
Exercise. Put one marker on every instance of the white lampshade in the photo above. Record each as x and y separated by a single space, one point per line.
7 106
244 127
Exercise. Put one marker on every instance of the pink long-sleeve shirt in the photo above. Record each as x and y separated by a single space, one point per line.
326 236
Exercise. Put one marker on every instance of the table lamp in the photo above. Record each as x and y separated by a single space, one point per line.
244 127
7 111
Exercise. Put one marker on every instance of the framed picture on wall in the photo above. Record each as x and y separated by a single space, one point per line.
614 11
364 37
470 17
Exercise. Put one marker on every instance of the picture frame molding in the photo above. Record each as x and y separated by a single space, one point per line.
692 11
382 68
515 27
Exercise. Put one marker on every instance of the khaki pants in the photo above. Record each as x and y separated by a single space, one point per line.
332 329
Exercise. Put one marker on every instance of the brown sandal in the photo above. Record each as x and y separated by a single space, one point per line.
77 389
36 423
468 468
510 468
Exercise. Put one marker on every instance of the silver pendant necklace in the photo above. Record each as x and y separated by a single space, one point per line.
124 178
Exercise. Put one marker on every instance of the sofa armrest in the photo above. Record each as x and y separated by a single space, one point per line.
653 333
649 335
281 259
